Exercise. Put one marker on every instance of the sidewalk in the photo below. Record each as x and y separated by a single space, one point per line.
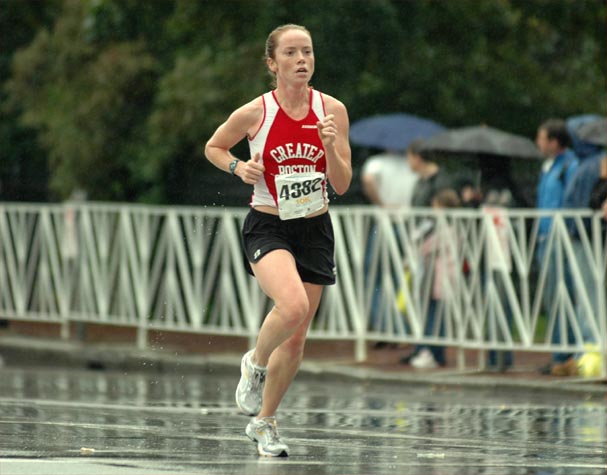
114 349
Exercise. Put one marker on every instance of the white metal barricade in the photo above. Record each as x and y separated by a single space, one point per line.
180 269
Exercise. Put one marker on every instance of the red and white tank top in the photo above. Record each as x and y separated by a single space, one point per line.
290 150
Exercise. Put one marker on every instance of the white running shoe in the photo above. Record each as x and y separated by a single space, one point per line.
264 432
424 360
250 388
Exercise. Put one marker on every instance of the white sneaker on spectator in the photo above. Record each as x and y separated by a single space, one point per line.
424 360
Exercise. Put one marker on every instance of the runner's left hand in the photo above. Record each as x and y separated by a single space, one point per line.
327 130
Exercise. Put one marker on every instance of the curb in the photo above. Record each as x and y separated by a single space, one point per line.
24 351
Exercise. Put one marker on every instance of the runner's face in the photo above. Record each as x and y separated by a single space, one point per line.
294 57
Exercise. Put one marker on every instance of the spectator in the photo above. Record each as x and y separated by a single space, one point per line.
582 148
472 197
431 180
469 194
580 194
440 266
598 195
588 189
557 171
387 181
498 185
496 273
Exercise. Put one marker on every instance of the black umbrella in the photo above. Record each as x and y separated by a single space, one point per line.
594 132
392 131
482 140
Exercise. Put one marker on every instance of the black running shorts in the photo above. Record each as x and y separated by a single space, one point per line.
309 240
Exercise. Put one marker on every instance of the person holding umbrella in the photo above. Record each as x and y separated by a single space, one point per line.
387 181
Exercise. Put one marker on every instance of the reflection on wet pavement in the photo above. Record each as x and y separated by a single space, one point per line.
143 423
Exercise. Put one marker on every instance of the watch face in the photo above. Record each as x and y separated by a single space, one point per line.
233 166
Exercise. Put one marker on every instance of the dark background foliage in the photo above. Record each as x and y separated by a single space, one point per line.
117 97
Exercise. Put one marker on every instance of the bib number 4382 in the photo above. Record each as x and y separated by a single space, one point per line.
296 190
299 194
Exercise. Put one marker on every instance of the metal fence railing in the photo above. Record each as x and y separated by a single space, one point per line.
493 281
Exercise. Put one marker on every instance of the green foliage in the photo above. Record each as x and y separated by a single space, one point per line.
191 101
123 94
87 103
23 168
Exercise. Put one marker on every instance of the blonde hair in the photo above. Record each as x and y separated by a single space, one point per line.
446 198
272 43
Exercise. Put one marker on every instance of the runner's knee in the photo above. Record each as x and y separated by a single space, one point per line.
293 311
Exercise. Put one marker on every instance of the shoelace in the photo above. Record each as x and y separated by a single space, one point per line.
272 432
258 378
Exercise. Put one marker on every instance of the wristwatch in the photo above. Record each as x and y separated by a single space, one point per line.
233 164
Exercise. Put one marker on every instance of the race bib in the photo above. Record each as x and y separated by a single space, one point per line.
299 194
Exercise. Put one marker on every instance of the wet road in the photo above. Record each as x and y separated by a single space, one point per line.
97 422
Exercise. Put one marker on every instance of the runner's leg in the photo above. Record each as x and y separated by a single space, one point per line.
277 275
286 359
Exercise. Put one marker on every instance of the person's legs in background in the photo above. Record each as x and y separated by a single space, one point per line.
375 283
548 301
430 356
501 359
589 285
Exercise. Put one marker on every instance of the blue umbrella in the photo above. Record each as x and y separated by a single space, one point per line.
392 131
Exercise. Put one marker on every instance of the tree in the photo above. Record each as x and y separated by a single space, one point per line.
88 102
23 165
122 94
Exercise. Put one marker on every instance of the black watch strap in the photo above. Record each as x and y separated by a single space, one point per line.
233 164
